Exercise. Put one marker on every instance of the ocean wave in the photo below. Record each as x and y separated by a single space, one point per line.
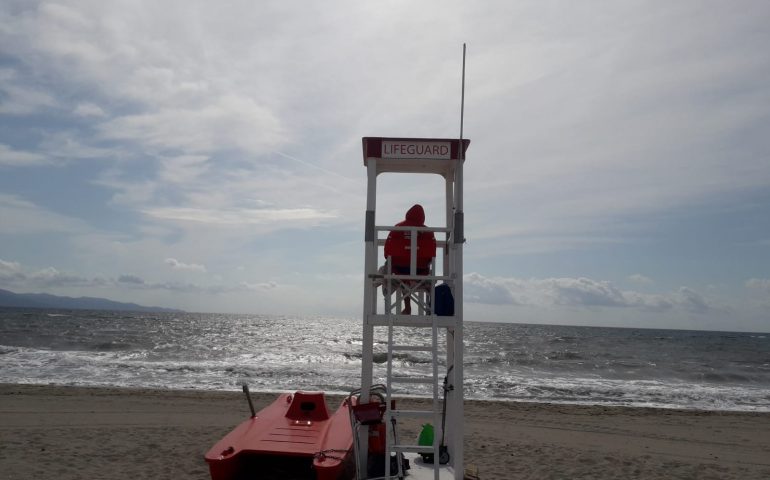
563 355
601 391
509 362
400 358
109 346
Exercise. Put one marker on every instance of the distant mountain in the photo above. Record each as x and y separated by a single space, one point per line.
44 300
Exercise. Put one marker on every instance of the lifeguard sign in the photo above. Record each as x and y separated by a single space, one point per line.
414 155
415 149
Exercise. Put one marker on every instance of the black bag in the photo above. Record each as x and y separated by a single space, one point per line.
445 302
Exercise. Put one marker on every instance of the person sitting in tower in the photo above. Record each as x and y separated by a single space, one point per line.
398 249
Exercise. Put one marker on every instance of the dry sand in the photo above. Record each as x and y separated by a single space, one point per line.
62 433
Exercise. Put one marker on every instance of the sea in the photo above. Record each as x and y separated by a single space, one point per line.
271 353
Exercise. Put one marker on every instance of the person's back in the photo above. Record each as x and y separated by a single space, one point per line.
398 244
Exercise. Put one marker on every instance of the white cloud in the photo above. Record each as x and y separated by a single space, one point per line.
177 265
758 284
71 145
130 279
15 158
51 277
242 216
15 275
88 109
20 216
19 99
12 274
260 286
230 120
479 289
583 292
184 169
54 149
691 300
577 292
640 279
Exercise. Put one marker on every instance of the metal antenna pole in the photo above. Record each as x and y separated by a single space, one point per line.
462 107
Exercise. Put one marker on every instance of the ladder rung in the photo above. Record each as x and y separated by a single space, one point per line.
428 380
412 348
412 448
412 413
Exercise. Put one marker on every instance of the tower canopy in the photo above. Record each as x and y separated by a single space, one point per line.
414 155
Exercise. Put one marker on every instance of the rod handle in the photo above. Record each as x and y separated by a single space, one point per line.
248 397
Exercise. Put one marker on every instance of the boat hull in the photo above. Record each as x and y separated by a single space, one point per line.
294 437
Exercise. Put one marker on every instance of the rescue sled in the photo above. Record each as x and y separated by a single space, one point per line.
294 437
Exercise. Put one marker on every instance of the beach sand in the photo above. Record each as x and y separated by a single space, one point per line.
50 432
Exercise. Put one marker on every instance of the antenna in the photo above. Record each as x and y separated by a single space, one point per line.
462 109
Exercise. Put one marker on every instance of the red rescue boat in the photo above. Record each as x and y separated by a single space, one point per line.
294 437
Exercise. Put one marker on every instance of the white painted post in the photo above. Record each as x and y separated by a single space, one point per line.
457 372
370 268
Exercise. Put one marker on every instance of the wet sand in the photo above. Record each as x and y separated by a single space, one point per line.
49 432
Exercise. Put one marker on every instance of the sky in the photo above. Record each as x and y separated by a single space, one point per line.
207 155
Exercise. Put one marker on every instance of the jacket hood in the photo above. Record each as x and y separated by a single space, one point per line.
415 215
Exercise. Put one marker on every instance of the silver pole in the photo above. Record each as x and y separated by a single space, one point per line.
457 333
462 107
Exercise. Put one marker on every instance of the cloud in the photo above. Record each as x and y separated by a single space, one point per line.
194 191
576 292
72 145
760 288
10 272
13 274
183 169
20 216
583 292
758 284
15 158
231 121
130 279
177 265
53 149
640 279
691 300
479 289
239 216
180 287
19 99
51 277
88 109
260 286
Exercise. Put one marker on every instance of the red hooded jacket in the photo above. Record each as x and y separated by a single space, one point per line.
398 244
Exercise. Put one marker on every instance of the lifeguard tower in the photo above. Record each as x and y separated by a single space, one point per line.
434 322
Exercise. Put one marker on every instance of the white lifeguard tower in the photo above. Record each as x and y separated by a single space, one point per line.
444 157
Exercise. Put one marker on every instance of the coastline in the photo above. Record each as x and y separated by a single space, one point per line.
115 433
